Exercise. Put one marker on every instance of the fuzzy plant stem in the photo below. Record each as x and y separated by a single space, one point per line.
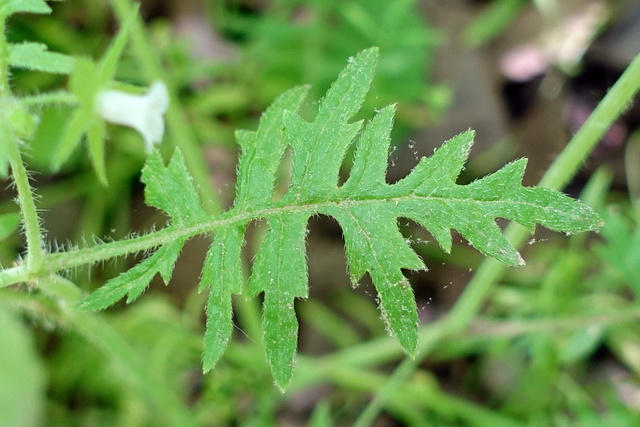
51 98
30 220
563 169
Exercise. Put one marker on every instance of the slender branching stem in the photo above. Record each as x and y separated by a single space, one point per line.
76 257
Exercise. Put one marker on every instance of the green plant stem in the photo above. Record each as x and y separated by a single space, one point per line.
63 98
31 223
73 258
490 271
183 136
385 350
4 61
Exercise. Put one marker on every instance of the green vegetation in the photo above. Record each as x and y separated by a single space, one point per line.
530 336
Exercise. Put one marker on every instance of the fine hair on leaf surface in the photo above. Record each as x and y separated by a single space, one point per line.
366 207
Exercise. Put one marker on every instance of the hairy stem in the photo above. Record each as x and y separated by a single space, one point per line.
31 223
62 98
77 257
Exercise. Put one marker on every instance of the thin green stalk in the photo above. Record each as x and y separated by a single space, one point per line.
4 60
566 165
179 126
31 223
422 394
63 98
73 258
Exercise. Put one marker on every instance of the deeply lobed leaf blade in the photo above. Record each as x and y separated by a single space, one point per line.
366 206
374 244
368 173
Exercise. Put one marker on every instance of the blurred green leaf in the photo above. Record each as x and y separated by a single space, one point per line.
9 7
22 389
35 56
621 249
8 224
581 344
321 416
95 138
492 21
83 84
86 81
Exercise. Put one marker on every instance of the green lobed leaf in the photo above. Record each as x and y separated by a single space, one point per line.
319 147
374 244
223 273
262 151
366 206
170 189
35 56
8 224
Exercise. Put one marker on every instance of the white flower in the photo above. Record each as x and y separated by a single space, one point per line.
141 112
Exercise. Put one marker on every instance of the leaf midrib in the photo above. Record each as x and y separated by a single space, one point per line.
74 258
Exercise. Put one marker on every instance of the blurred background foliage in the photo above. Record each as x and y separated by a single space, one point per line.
557 342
